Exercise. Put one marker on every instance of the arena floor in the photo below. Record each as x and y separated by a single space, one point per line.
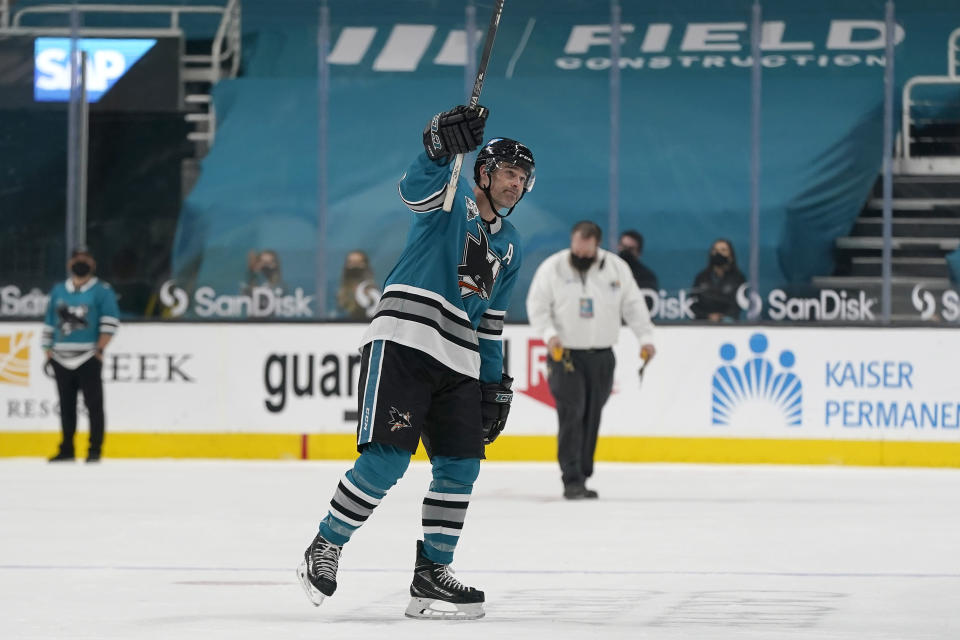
207 549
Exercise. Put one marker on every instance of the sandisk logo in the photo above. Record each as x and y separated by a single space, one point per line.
174 298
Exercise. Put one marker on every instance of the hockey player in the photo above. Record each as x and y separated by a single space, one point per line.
432 366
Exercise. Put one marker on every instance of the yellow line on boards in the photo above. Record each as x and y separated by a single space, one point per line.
342 446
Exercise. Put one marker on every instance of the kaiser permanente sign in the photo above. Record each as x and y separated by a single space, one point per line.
713 394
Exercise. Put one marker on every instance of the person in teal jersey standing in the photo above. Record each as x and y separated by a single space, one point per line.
432 364
82 318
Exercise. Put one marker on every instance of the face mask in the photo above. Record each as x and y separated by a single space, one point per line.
627 255
354 272
580 263
719 260
268 271
80 269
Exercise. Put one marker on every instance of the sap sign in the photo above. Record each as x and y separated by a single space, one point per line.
107 60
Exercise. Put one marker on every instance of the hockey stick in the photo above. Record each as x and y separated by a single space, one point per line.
474 99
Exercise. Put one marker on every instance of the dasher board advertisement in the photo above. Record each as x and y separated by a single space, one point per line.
723 382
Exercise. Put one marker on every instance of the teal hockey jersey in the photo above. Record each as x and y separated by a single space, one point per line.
76 318
449 291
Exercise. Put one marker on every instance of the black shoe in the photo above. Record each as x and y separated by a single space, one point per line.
62 456
318 570
432 583
93 456
578 492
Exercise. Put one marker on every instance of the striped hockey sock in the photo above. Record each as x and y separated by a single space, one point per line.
349 508
361 489
445 505
443 516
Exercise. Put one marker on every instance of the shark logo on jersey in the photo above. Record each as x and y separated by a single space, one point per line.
71 318
472 210
479 267
399 419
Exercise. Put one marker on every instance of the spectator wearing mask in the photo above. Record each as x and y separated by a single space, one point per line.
358 294
264 271
630 248
264 279
716 286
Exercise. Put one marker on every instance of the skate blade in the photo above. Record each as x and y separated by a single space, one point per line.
314 594
430 609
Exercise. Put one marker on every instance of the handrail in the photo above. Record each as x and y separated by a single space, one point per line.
953 48
225 48
225 42
905 116
173 10
231 15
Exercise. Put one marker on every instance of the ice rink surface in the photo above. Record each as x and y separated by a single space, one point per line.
207 550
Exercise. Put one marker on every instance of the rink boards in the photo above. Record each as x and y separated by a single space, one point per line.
713 394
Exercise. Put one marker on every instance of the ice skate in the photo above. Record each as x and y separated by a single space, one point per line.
318 570
437 595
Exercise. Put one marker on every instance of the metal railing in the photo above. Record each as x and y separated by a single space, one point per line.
952 77
223 61
953 52
225 52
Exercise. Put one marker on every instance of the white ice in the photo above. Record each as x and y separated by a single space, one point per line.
207 549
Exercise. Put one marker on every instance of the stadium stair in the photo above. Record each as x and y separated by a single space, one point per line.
926 229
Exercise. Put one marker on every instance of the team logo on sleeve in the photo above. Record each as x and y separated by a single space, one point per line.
479 266
473 211
399 419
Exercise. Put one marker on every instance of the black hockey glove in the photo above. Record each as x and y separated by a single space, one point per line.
495 402
459 130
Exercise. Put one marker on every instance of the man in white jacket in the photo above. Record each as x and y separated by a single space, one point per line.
576 301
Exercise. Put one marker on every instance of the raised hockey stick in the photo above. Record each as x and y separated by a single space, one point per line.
474 99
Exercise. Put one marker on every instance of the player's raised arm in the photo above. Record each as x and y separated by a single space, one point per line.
460 130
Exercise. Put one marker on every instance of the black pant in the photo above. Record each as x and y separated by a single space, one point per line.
85 378
580 395
407 395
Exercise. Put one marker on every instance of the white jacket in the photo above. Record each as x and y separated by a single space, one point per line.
584 310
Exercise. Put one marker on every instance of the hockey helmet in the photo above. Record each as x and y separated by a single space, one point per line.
500 150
